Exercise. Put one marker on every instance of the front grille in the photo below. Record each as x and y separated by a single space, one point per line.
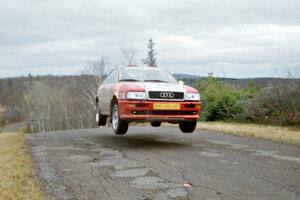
163 112
166 95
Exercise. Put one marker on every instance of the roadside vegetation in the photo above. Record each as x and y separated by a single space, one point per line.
275 104
17 170
48 103
271 111
222 101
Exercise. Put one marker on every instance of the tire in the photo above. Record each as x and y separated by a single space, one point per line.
155 124
119 126
100 119
187 126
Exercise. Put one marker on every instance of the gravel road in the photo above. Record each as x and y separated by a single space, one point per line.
163 163
12 127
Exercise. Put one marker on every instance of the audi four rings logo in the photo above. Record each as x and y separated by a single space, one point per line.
169 95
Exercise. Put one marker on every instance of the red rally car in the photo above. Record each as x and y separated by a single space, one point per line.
146 94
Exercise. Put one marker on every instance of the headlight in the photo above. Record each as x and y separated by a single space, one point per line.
136 95
192 97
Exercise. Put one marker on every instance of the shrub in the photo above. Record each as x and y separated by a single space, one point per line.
275 105
222 101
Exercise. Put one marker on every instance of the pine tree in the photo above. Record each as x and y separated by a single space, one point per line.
151 59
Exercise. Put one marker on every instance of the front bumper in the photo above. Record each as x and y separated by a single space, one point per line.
144 111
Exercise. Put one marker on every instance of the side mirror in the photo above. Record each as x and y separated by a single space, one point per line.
181 82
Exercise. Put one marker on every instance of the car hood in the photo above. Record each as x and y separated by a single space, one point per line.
174 87
154 86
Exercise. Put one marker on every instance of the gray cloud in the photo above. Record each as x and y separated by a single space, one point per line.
232 38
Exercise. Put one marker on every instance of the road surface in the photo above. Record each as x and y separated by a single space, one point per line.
11 128
163 163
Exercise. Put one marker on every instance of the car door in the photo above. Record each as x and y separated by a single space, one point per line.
107 92
111 88
102 94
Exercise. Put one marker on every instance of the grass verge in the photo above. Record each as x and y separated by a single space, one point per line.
275 133
17 169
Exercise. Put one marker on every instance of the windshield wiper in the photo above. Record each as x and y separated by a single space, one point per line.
129 80
154 80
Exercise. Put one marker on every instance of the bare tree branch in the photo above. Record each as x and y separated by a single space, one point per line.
129 53
92 75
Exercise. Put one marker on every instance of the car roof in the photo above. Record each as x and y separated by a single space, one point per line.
140 67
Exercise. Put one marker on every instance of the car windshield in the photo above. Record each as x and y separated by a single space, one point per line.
146 75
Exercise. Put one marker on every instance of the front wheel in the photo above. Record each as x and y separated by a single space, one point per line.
187 126
119 126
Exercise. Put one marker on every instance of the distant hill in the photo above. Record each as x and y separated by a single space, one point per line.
261 82
244 82
188 79
187 76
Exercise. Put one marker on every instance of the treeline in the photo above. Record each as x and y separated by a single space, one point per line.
277 103
48 103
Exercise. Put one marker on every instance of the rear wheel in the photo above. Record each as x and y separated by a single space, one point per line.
187 126
119 126
100 119
155 124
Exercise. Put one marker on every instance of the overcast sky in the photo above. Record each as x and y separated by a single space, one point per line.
231 38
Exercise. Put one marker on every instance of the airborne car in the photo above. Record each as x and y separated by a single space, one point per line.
146 94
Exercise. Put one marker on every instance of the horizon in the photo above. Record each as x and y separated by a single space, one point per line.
180 74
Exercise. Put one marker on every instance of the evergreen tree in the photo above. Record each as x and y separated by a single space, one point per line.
151 59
